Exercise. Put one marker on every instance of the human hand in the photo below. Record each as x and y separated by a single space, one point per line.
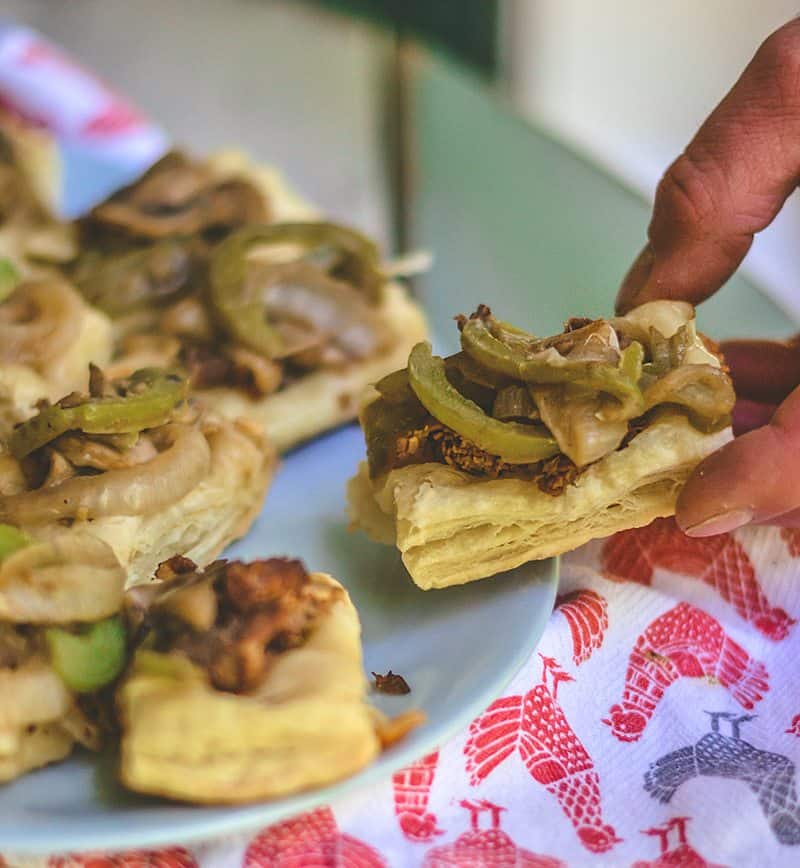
729 183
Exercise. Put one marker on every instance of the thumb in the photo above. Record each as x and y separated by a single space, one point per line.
753 478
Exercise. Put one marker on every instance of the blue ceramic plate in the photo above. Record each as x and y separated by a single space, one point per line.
458 648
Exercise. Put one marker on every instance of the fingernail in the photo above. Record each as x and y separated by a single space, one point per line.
725 522
635 280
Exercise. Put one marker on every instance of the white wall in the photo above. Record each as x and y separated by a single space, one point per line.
629 81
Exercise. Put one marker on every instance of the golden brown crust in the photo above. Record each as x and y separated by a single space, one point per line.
452 528
305 726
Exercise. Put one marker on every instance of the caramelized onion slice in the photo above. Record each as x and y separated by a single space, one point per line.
39 322
327 309
705 391
139 490
666 317
71 577
575 417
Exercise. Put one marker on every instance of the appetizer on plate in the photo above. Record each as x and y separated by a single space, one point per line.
519 448
135 464
247 683
275 315
60 638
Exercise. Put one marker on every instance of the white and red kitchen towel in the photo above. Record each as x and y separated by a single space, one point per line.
657 725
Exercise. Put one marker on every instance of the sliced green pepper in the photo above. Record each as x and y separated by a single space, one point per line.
119 283
90 659
395 387
511 441
549 366
9 278
11 540
239 307
151 396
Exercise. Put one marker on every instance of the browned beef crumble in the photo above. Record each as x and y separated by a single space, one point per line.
211 365
437 443
257 611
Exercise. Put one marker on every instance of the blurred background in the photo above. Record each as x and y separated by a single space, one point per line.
519 139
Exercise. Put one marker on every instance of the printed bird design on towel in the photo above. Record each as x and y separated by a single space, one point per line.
674 853
770 776
311 840
535 727
412 789
586 612
684 642
719 561
485 848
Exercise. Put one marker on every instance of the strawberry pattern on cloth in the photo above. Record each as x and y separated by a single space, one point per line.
658 724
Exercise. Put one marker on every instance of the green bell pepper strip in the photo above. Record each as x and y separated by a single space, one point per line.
11 540
510 441
124 282
394 387
551 367
152 396
241 312
90 659
9 278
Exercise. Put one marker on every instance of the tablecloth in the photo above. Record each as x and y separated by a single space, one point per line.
657 724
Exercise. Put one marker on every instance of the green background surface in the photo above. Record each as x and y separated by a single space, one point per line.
519 221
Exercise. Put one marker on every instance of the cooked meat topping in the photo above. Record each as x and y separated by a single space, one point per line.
437 443
391 683
577 322
233 618
177 565
213 365
177 196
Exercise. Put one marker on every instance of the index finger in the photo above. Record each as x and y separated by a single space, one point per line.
729 183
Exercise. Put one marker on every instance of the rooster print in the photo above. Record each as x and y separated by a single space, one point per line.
311 840
684 642
719 561
412 789
676 852
770 776
174 857
794 726
535 728
586 613
489 847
